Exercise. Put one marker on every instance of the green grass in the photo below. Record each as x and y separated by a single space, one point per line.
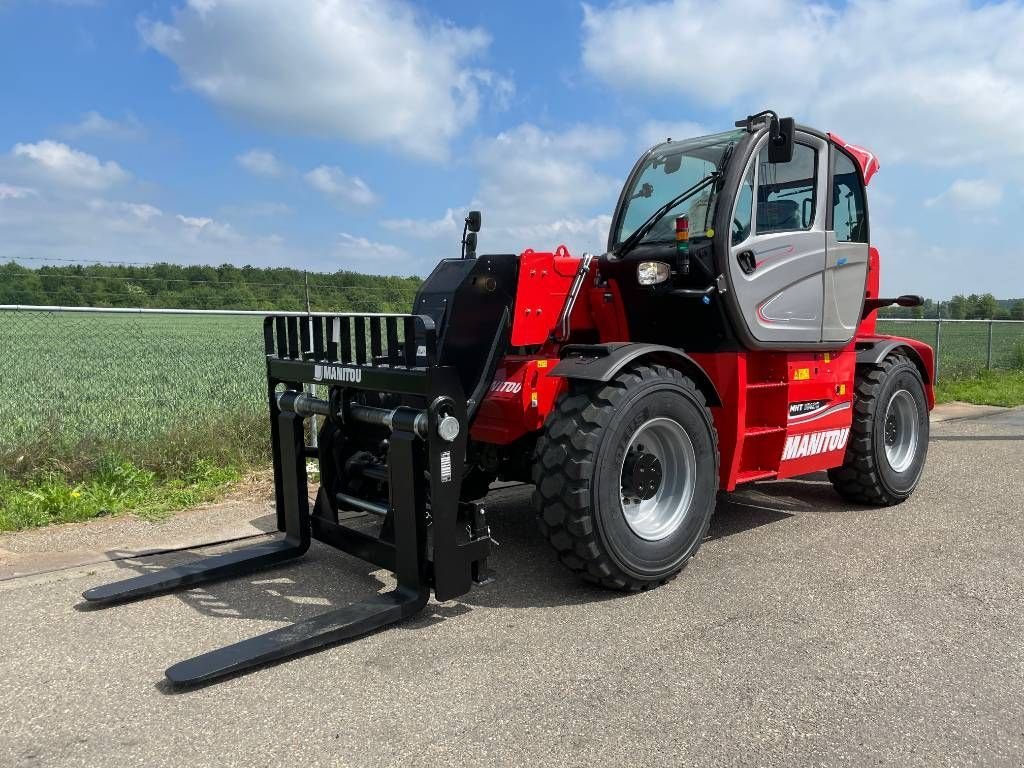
1004 388
108 414
116 488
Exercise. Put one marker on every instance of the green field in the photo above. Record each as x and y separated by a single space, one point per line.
131 378
107 413
112 376
163 391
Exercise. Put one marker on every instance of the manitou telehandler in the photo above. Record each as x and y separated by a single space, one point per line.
726 336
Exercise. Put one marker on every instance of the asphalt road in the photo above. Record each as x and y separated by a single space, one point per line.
806 632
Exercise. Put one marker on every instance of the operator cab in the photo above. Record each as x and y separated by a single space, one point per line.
753 238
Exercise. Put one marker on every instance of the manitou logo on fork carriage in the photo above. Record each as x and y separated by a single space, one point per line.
798 446
337 373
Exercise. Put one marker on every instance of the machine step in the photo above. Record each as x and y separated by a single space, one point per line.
762 430
751 475
767 384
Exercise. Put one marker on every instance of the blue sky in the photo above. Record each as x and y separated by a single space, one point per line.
355 135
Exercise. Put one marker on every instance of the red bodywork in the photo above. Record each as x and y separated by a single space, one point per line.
782 413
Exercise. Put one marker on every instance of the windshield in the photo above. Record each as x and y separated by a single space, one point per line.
670 170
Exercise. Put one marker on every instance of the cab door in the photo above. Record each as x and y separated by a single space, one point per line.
846 260
778 246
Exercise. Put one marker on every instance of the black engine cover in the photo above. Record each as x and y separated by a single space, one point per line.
466 299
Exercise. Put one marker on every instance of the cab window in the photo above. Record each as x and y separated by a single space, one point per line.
785 191
849 213
744 209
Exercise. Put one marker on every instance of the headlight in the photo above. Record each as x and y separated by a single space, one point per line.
652 272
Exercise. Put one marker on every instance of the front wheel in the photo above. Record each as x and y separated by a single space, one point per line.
626 477
889 436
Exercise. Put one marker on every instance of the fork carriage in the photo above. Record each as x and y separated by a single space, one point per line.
373 449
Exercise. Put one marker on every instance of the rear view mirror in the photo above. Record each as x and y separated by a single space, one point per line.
646 190
780 140
473 221
672 163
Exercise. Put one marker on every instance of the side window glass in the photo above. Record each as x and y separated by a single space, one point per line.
849 214
744 207
785 191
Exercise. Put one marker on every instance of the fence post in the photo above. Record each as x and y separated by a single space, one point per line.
988 365
314 427
938 345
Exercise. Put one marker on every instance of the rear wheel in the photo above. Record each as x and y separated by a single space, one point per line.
889 436
626 477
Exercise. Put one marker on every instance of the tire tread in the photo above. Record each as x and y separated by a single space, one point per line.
563 467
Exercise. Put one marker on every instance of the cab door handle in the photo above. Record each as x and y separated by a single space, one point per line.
747 262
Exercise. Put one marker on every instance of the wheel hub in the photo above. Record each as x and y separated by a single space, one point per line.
641 475
900 431
658 479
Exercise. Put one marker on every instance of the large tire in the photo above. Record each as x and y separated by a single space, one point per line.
889 436
580 464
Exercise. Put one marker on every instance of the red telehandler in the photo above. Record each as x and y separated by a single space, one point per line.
726 336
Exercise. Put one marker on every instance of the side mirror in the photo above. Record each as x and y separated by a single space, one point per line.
646 190
780 140
469 231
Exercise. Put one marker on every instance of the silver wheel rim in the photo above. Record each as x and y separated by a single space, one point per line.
659 516
901 430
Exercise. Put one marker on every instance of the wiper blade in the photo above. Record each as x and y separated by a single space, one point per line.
640 232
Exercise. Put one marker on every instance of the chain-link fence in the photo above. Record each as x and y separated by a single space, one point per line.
114 376
965 347
95 376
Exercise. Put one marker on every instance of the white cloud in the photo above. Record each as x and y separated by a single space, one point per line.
537 189
448 225
528 175
335 183
140 211
95 229
96 125
974 194
938 82
69 167
12 192
371 72
262 163
195 222
370 255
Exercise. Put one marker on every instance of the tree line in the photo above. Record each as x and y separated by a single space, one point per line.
973 307
281 288
204 287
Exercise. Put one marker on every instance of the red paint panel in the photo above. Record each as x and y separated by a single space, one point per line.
866 159
520 398
867 324
544 283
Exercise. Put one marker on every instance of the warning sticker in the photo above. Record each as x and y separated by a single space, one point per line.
446 466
